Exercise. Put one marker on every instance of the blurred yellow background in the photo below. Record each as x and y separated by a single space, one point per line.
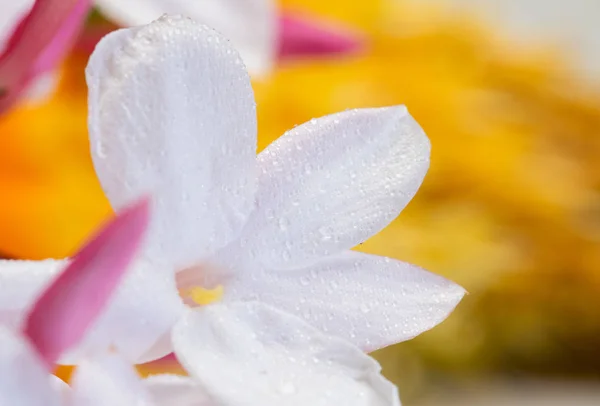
510 208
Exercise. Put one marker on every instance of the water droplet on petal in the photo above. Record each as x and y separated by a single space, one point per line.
100 150
325 233
283 223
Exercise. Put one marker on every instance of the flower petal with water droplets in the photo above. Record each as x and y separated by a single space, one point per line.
331 183
250 25
250 353
24 380
368 300
172 115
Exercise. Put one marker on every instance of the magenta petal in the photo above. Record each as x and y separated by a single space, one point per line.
303 37
64 37
64 312
40 41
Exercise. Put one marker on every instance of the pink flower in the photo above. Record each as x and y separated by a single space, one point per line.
37 41
299 36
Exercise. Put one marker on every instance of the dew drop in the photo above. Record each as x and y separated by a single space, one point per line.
325 234
283 223
100 150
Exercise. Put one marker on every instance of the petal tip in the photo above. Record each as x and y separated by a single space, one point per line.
64 312
301 36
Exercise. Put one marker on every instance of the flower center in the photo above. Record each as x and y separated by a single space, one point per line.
202 296
191 283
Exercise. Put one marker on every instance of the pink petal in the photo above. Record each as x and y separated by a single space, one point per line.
92 34
64 312
302 37
39 42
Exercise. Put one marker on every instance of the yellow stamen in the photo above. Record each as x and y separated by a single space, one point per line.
64 372
203 296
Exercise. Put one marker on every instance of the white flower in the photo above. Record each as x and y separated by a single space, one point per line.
172 114
251 354
238 353
251 25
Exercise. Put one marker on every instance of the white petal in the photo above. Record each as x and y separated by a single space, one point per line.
368 300
108 381
250 25
172 114
145 307
61 388
21 282
251 354
176 390
331 183
24 380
